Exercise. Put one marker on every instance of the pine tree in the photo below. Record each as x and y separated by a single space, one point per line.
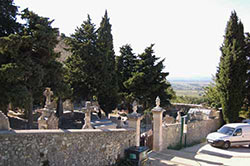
84 66
8 25
8 13
231 74
107 92
126 66
149 80
29 52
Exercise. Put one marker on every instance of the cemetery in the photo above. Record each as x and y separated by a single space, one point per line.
72 99
97 142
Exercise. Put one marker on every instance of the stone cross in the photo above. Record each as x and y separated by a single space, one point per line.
135 107
87 110
48 93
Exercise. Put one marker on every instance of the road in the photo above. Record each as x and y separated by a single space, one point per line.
201 155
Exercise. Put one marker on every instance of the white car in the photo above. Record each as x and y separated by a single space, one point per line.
229 135
246 121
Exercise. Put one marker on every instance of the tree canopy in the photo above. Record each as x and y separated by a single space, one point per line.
29 53
8 13
143 77
92 64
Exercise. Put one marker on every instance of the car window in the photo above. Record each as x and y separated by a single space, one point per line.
238 132
226 130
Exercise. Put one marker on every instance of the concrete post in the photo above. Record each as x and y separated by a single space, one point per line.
134 121
157 127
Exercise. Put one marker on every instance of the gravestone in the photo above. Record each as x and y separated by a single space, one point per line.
48 119
68 105
87 110
48 93
4 122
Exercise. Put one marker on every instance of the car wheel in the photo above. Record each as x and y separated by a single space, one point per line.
226 145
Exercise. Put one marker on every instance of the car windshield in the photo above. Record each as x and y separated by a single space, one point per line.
226 130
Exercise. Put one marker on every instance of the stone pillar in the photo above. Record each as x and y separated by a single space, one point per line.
134 121
157 127
87 110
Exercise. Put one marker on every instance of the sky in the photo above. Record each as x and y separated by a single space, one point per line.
187 33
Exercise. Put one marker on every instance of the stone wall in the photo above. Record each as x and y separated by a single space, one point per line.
196 131
64 147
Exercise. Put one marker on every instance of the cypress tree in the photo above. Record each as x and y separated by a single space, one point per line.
247 100
107 91
231 74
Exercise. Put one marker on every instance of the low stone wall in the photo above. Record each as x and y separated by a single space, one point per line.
196 131
64 147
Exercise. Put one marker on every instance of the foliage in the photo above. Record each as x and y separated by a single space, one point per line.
148 81
8 25
108 89
84 71
125 67
231 74
189 100
8 13
247 99
211 96
28 52
92 64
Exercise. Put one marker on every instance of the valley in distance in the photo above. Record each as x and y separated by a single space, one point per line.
192 87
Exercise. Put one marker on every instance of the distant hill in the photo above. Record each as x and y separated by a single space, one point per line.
190 79
190 87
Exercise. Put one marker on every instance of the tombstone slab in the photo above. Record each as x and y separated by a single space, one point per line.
4 122
48 120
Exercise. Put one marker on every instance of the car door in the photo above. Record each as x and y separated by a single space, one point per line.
237 137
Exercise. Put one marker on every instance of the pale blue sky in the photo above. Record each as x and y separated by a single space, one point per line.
187 33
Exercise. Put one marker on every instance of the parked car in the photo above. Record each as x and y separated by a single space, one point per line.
246 121
230 135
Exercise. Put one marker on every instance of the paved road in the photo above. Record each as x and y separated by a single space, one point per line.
201 155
